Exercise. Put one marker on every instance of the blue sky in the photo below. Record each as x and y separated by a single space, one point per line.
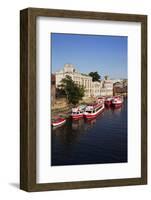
105 54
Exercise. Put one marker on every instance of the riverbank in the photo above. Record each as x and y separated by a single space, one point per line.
62 112
63 109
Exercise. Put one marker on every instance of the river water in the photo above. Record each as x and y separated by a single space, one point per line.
101 140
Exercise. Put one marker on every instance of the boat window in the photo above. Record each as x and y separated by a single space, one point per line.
88 111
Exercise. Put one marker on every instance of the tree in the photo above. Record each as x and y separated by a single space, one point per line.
95 76
73 91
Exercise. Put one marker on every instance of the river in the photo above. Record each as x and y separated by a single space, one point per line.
101 140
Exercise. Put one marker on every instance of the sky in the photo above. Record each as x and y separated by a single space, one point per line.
105 54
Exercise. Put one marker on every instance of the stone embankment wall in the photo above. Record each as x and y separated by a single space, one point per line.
59 104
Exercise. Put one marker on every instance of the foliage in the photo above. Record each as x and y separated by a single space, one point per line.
106 77
60 92
95 76
73 91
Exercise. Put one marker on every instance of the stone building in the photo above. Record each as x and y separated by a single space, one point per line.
107 88
77 77
95 89
120 87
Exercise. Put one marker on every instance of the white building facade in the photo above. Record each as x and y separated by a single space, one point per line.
95 89
107 88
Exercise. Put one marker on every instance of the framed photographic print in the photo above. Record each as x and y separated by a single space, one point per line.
83 99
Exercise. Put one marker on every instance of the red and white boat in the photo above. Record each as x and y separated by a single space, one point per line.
93 110
108 101
101 99
117 101
77 112
58 121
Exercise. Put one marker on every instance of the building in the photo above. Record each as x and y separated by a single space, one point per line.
95 88
120 87
92 89
107 88
77 77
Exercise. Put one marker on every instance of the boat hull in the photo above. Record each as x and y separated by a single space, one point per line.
117 102
54 124
107 103
76 116
116 105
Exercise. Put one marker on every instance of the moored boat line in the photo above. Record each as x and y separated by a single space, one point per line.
90 111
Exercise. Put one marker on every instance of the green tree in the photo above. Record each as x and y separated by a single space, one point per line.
95 76
73 91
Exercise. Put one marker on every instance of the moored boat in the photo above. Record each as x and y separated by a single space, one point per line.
102 98
77 112
93 110
108 101
117 101
58 121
